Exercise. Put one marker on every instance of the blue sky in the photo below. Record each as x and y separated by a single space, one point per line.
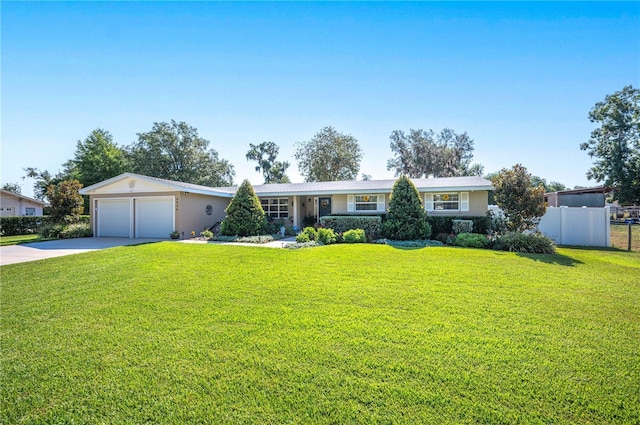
520 78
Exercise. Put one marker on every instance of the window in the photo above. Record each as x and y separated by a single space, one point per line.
443 202
446 201
275 207
30 211
365 203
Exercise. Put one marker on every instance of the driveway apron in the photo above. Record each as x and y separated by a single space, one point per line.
12 254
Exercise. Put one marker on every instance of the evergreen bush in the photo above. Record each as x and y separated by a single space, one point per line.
310 232
471 240
354 236
444 224
406 218
326 236
245 216
342 223
535 243
462 226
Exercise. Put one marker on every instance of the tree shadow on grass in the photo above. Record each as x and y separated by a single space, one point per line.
557 259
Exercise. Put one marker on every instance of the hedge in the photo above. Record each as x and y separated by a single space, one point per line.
12 226
444 224
341 223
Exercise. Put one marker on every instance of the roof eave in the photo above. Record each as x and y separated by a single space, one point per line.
370 191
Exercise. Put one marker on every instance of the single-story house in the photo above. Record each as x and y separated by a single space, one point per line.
16 205
137 206
587 197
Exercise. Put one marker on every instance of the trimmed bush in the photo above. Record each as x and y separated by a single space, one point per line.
303 238
310 232
444 224
406 218
326 236
66 231
245 216
76 230
354 236
471 240
535 243
13 226
462 226
342 223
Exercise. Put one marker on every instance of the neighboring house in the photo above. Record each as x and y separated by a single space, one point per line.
136 206
587 197
16 205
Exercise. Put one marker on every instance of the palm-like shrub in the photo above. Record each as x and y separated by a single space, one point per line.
245 216
406 219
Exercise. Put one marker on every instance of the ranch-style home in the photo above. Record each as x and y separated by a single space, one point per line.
136 206
16 205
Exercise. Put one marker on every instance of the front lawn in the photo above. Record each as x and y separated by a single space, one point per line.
186 333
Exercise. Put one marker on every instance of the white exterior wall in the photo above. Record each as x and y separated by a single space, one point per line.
577 226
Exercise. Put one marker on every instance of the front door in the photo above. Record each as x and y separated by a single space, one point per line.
324 207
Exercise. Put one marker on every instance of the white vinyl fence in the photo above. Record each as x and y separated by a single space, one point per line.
586 226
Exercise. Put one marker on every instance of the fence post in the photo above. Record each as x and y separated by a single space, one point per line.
629 236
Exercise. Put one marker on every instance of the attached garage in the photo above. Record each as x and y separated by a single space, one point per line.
154 217
144 217
113 217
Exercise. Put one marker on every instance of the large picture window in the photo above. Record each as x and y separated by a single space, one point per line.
275 207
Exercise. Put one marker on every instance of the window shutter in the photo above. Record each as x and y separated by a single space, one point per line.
351 203
464 201
428 201
381 206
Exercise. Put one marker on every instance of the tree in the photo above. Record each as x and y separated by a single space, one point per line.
13 188
265 155
422 154
98 158
174 151
65 200
522 204
44 179
245 216
329 156
551 186
616 144
406 218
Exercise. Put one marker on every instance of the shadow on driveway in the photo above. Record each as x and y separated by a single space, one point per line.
12 254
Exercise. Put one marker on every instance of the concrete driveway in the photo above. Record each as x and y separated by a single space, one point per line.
37 251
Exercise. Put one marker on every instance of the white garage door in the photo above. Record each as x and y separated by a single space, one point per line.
154 217
114 218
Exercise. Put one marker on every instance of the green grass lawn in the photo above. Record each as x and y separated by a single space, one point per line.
184 333
20 239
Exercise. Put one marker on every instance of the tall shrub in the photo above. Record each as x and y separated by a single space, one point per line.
406 219
245 216
522 204
66 201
